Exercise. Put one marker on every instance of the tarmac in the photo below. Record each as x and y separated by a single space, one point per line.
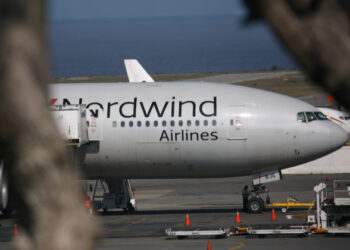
244 77
211 204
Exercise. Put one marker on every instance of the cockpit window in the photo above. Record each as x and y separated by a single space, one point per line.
320 116
341 118
347 117
310 116
301 117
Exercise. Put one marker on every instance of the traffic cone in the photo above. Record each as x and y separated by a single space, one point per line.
187 222
209 245
238 218
15 230
88 202
273 214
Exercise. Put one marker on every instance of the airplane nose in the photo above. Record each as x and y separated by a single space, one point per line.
338 136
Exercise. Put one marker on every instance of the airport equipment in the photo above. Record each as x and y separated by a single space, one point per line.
15 230
333 207
239 231
293 230
84 136
117 193
209 245
197 233
71 123
290 203
187 221
273 215
238 218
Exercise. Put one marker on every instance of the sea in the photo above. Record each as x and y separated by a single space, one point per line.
199 44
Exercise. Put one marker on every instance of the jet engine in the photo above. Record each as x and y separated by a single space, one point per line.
4 188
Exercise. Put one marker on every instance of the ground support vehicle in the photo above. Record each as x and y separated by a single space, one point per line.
197 233
290 203
333 207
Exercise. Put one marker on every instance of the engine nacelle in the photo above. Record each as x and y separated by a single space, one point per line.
4 188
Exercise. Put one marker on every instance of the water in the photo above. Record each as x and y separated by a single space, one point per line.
162 45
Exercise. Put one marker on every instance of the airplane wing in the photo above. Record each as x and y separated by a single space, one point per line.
136 73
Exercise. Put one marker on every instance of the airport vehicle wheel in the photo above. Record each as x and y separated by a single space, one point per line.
284 210
255 205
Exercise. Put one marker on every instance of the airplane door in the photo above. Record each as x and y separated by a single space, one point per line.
236 121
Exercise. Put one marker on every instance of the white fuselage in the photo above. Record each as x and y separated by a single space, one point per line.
191 130
339 117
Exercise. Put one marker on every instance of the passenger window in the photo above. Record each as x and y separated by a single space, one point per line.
172 123
147 123
197 123
301 117
139 123
163 123
213 123
205 122
188 123
320 116
114 124
131 124
122 124
310 116
231 122
181 123
155 123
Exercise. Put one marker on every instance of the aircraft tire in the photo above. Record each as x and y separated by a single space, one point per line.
255 205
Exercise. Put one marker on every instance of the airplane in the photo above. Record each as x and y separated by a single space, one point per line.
328 106
150 129
339 117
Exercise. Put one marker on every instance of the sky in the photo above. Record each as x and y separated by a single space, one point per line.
100 9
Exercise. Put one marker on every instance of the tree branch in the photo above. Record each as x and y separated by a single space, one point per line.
319 41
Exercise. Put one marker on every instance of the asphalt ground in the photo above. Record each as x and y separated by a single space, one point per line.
211 204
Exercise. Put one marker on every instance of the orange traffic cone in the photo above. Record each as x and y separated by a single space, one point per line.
238 218
273 214
209 245
88 202
15 230
187 223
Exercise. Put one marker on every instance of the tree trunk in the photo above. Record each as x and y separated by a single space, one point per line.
43 180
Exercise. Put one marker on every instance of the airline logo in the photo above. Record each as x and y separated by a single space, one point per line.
135 107
173 108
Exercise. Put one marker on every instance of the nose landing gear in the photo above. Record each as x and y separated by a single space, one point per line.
256 204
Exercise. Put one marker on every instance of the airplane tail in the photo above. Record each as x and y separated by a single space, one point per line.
136 73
